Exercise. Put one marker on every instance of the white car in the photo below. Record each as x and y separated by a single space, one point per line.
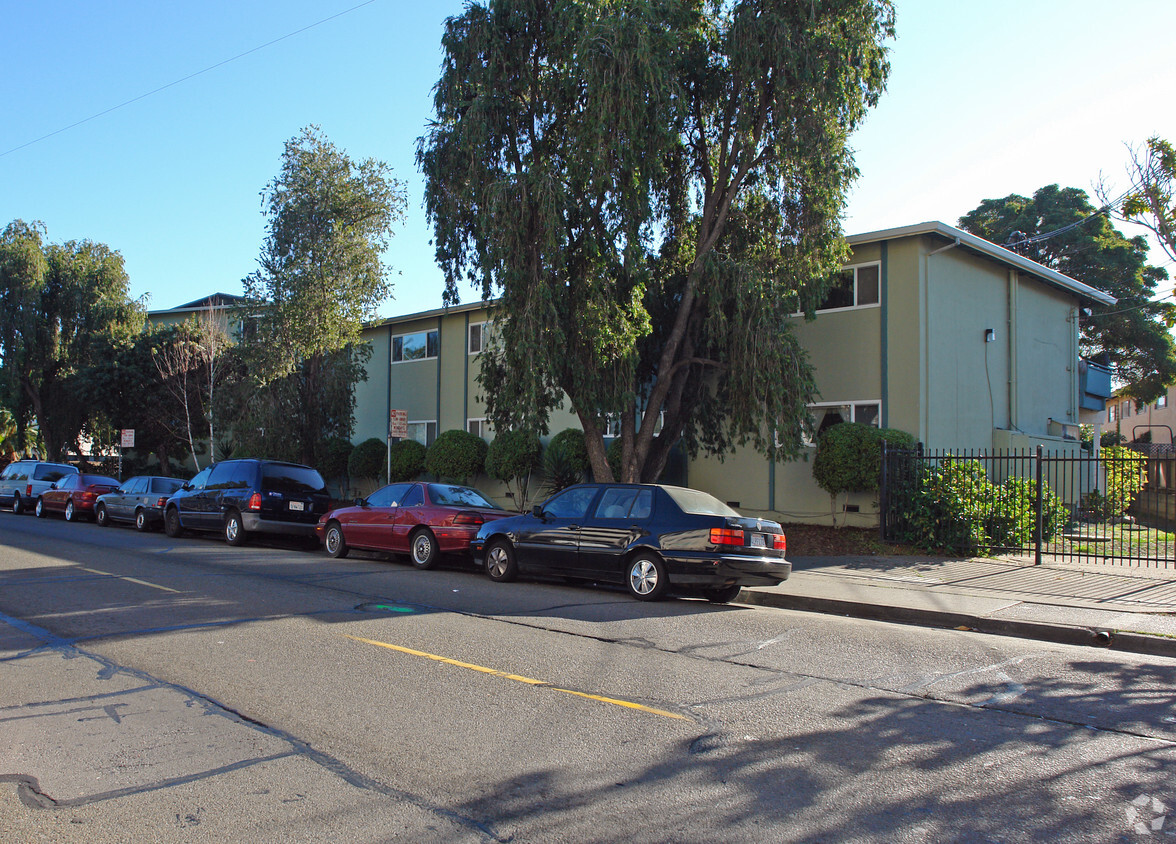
22 482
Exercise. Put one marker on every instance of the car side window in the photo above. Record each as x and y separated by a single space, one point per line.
643 505
201 478
615 503
242 477
414 497
570 504
388 496
50 473
133 487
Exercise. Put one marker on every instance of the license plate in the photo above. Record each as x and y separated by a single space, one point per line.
298 505
757 540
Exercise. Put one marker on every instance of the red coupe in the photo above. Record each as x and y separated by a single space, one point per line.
74 495
422 520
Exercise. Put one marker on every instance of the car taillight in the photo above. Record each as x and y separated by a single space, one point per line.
255 501
470 519
726 536
780 542
162 500
29 491
87 497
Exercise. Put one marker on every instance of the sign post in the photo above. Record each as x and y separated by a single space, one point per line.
397 430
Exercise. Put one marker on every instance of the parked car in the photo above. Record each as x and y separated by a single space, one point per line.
243 497
648 537
23 481
74 495
139 500
422 520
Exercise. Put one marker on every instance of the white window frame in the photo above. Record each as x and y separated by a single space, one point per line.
855 306
1162 402
481 326
483 425
426 332
853 406
426 423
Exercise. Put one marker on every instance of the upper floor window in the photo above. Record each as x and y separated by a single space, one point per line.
419 346
854 287
477 337
1162 401
1112 412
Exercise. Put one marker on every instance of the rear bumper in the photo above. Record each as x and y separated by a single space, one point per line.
254 523
710 570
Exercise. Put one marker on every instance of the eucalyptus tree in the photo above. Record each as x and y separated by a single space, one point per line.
320 275
1151 199
62 307
1060 228
650 188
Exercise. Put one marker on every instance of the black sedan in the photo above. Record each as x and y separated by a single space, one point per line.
648 537
138 500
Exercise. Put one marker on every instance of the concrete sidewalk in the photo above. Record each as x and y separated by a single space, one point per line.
1112 606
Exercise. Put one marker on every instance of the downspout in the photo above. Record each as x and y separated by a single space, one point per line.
465 383
439 373
926 338
1014 289
884 297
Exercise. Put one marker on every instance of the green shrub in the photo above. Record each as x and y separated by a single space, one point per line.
570 444
511 458
368 459
407 461
614 455
456 456
849 456
1126 472
333 459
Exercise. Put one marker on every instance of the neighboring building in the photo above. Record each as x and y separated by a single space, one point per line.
1153 422
933 331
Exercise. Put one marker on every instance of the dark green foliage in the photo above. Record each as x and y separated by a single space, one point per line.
511 457
849 456
570 442
954 508
368 460
336 453
1132 334
456 456
408 461
650 189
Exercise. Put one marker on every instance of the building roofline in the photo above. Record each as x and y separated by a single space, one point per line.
430 314
990 250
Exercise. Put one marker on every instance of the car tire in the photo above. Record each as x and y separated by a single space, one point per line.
501 565
422 549
70 513
101 516
721 594
334 542
645 577
40 509
141 523
17 504
171 523
235 533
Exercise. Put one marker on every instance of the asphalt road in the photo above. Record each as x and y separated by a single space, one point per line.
181 690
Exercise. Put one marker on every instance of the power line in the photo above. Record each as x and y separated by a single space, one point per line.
186 78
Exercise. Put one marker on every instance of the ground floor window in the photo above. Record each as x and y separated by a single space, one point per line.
422 432
827 414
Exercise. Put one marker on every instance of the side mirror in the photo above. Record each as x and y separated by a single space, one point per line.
537 511
186 487
361 502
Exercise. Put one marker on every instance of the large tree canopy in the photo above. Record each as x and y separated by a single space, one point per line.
320 277
1132 335
62 307
650 187
1151 201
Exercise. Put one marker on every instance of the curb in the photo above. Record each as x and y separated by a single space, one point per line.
1062 634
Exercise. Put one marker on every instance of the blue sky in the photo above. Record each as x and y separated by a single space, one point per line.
984 100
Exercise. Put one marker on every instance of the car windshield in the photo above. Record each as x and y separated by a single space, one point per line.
292 480
698 503
458 496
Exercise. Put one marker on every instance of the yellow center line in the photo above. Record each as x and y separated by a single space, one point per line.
494 672
130 579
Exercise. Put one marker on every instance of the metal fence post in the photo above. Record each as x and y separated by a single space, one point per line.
1038 507
883 500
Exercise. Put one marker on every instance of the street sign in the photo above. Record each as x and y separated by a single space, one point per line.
398 424
128 438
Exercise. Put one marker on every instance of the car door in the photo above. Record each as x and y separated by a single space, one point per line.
551 541
189 500
618 520
370 524
407 514
59 492
121 503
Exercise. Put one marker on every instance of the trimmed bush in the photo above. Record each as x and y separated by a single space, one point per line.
849 456
456 456
510 458
407 461
570 444
334 458
368 459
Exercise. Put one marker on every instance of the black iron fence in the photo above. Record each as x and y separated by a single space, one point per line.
1119 506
